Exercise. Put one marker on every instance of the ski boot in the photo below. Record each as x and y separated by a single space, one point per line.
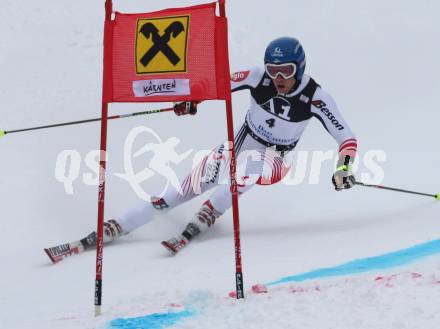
112 231
204 219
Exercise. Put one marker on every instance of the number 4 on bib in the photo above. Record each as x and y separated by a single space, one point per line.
270 122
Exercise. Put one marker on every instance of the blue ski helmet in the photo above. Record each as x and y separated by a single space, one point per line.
287 50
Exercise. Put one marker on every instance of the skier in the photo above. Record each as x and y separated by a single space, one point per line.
283 100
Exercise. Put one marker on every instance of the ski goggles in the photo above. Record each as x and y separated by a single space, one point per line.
286 70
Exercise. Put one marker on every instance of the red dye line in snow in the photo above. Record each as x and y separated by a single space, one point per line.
387 281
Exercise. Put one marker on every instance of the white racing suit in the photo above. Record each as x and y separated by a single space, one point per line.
264 143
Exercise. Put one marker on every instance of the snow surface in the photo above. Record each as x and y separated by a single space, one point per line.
380 62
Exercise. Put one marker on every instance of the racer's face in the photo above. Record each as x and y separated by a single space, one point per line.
283 85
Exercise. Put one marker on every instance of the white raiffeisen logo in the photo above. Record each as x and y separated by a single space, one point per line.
145 88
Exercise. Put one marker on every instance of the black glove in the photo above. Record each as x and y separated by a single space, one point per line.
343 177
185 108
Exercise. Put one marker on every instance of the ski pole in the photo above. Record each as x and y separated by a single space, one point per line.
120 116
436 196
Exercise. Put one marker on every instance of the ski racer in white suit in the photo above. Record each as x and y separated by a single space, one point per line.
283 101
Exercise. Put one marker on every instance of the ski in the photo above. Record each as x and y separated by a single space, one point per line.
169 247
58 253
173 245
112 230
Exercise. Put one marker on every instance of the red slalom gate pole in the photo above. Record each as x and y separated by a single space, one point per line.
235 209
107 79
234 191
101 204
